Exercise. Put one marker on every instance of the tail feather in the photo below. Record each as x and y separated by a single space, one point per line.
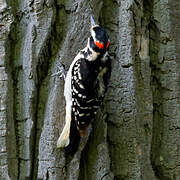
74 140
69 138
63 140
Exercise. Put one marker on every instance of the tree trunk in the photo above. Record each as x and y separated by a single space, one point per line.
136 133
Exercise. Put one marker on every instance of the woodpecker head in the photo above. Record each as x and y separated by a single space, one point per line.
99 40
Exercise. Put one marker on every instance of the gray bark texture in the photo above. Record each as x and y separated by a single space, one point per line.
136 133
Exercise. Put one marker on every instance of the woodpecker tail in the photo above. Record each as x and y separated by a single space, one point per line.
74 140
69 138
63 140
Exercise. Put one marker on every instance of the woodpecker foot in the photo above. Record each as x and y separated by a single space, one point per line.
61 72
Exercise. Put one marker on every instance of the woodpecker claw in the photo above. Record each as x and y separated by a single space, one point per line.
61 71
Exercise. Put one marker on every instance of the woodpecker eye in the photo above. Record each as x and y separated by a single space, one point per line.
99 45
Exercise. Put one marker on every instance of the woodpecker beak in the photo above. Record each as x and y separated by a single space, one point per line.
93 23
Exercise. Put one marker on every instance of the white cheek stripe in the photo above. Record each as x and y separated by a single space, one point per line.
94 54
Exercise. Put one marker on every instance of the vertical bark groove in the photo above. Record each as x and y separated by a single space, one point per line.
164 84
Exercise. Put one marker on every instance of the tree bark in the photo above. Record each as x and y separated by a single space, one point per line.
136 133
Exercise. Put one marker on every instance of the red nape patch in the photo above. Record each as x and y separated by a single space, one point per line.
107 44
99 45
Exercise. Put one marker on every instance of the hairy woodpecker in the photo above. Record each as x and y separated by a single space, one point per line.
86 83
